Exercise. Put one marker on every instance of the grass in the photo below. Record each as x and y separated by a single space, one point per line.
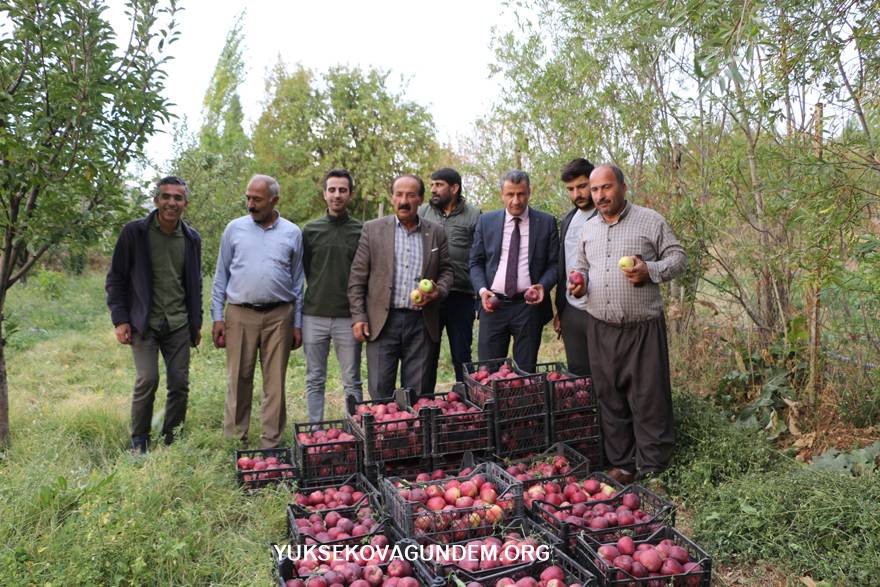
75 508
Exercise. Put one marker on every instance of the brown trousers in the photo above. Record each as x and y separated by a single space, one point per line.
271 334
630 370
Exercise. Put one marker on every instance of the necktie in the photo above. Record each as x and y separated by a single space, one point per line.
511 276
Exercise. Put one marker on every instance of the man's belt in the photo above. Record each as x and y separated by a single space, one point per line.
262 307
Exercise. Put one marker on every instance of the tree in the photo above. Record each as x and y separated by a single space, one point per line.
73 113
217 161
346 118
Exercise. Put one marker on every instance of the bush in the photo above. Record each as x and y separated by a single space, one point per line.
710 450
821 524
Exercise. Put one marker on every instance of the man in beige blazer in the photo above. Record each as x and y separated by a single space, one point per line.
395 254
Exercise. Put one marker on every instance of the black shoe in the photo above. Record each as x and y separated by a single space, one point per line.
140 444
168 439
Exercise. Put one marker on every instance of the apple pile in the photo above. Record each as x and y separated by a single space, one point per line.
397 431
334 526
570 391
354 571
262 469
439 474
573 493
554 466
485 376
330 498
457 509
621 511
666 560
462 427
328 452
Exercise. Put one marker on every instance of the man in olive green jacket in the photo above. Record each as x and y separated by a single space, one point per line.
448 208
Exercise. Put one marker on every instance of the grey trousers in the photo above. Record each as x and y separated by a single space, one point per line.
630 371
404 339
574 338
145 348
318 331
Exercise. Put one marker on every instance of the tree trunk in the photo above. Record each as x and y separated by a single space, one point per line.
814 307
4 391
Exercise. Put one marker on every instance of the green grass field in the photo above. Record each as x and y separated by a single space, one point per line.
77 509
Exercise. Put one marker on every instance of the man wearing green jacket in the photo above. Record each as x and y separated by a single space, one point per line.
329 246
457 312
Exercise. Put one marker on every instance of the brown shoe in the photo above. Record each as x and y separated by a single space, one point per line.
622 476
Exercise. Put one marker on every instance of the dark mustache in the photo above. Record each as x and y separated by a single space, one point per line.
252 210
404 207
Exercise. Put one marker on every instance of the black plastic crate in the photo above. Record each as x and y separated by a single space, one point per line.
578 465
361 486
517 397
659 512
592 448
413 519
405 468
438 572
567 391
520 437
457 433
282 472
406 437
331 458
608 575
372 509
285 568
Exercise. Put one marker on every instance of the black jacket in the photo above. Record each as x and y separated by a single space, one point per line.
129 280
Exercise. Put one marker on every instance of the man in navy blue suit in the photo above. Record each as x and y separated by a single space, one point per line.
513 268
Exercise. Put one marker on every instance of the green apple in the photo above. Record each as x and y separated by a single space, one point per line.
426 286
416 296
626 262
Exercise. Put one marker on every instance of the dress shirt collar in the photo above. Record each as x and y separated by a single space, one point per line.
508 217
416 229
627 206
274 222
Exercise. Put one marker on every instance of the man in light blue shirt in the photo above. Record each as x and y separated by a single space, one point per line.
259 278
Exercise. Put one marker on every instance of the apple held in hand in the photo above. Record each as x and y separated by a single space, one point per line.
493 303
576 278
416 296
626 262
532 295
426 286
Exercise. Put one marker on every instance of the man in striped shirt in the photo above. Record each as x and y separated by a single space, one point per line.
625 252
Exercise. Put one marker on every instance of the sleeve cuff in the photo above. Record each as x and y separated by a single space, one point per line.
653 271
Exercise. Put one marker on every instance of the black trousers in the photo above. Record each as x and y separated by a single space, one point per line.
574 338
457 317
516 319
404 339
630 370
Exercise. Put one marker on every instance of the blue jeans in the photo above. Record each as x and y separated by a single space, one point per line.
318 331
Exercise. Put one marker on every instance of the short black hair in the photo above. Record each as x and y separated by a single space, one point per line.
576 168
411 176
171 180
449 175
339 173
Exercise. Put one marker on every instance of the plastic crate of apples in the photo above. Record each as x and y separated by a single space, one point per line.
389 429
606 514
326 449
455 508
666 557
258 468
456 425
